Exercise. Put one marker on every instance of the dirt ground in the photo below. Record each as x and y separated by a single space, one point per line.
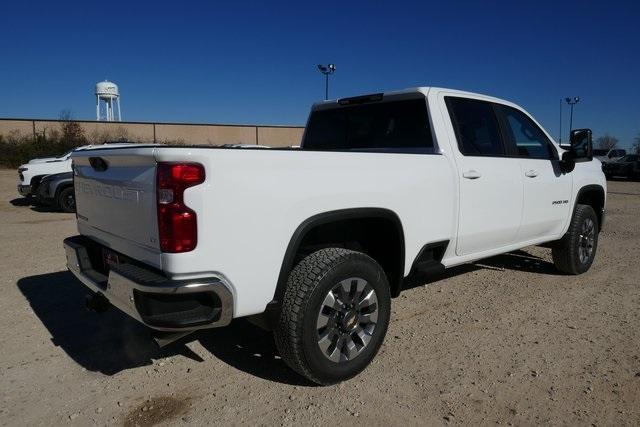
504 341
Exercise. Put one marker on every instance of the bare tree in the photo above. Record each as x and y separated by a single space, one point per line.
65 115
607 142
72 132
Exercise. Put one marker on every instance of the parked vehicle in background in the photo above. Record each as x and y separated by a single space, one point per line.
30 174
54 159
627 167
313 242
611 155
57 191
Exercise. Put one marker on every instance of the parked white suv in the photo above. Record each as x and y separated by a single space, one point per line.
314 242
30 174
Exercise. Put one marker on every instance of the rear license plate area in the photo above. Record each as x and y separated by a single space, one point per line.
109 259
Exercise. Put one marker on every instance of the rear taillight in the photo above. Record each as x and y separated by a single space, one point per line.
177 224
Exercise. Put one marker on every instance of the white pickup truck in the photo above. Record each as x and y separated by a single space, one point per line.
314 242
31 174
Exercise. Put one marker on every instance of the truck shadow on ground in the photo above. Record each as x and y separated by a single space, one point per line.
33 205
106 342
111 342
250 349
23 201
518 260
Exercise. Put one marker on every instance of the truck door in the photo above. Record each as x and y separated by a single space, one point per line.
547 191
491 194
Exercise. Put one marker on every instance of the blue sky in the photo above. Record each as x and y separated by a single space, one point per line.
254 62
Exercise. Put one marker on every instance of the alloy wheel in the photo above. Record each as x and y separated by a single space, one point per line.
586 240
347 319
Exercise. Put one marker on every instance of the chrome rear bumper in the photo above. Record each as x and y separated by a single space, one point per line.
150 297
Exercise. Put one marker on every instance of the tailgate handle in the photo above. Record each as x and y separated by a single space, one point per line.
98 163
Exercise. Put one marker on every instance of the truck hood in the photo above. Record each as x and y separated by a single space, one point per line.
45 160
30 170
46 168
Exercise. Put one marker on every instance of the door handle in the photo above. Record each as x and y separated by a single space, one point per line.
471 174
531 173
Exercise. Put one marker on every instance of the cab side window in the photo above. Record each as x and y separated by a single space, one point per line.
476 127
529 140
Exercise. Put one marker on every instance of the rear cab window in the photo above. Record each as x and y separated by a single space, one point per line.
382 125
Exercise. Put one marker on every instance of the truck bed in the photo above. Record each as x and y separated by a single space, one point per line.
251 203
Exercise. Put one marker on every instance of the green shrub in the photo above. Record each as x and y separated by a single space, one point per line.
16 150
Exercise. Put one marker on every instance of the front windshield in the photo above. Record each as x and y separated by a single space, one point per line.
599 152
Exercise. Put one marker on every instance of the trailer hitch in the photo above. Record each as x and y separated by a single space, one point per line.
97 303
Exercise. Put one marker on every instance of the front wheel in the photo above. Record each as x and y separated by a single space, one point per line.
67 200
574 253
334 316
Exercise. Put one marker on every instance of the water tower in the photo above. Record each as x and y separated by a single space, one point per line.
106 96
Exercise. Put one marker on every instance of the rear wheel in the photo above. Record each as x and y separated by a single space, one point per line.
334 316
67 200
574 253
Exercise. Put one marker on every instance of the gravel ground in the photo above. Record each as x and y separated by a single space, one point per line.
504 341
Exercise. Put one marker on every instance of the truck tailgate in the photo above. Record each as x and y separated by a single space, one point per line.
116 200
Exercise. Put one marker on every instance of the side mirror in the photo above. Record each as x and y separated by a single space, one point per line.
581 145
579 150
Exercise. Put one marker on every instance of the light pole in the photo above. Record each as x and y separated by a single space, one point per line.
560 121
326 70
572 101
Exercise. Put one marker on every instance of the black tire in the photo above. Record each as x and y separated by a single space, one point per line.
66 200
297 334
571 254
